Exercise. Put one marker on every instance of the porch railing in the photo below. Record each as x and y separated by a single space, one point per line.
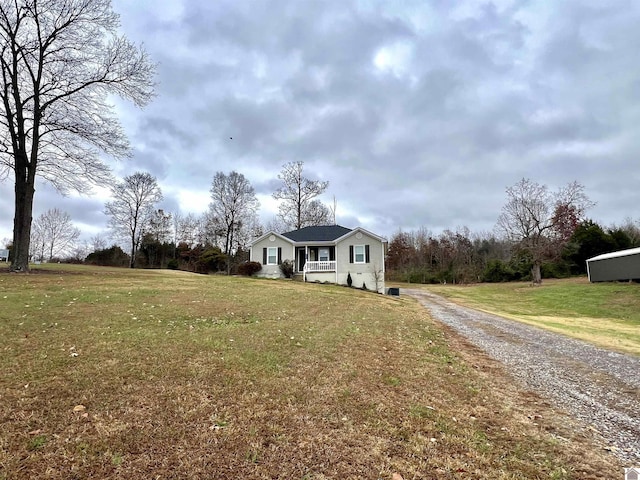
325 266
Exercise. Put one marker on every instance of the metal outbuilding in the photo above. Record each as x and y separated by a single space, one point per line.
615 266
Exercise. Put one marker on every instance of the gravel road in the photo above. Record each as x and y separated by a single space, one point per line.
600 387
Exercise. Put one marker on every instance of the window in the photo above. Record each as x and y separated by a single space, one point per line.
272 256
323 255
359 254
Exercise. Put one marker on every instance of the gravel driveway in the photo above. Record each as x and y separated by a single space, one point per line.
600 387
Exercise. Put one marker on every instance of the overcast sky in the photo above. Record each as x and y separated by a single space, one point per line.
418 113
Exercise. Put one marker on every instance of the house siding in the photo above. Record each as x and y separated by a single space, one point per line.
361 273
614 269
322 277
271 271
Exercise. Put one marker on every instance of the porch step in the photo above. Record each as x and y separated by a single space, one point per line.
298 277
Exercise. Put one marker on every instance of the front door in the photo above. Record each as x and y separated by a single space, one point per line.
301 259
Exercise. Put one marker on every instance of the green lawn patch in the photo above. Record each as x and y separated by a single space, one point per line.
606 314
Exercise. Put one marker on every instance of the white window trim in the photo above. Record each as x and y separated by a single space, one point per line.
355 254
275 255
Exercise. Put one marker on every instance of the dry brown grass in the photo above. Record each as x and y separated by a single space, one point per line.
195 377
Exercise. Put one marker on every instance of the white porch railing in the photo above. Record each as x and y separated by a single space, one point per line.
325 266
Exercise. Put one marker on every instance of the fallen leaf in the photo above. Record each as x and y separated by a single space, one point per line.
79 408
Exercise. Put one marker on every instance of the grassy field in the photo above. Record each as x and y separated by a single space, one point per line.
605 314
121 374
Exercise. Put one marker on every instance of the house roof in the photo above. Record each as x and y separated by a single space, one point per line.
324 233
620 253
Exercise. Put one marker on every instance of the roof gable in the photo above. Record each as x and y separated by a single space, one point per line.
268 234
362 230
323 233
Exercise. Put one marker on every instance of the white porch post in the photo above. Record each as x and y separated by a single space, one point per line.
304 269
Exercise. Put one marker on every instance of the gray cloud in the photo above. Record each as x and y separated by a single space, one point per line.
417 113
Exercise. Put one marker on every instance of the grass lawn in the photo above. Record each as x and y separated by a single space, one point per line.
605 314
122 374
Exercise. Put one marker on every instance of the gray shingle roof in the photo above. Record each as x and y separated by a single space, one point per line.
325 233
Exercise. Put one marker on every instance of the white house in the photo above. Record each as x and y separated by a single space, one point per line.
329 253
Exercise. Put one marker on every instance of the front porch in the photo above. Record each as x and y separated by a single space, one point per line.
312 258
316 263
323 266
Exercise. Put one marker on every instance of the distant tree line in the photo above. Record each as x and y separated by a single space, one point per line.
217 240
461 257
538 234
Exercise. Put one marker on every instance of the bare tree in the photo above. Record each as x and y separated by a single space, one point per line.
275 224
160 226
132 208
54 234
234 204
210 230
298 208
185 229
632 229
37 245
98 242
378 277
540 222
316 213
250 229
60 61
78 253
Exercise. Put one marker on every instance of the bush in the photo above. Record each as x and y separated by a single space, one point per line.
173 264
111 257
555 270
249 268
498 271
349 279
211 260
286 267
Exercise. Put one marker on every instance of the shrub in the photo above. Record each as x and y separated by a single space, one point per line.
349 279
112 257
286 267
555 270
497 271
211 260
364 286
249 268
173 264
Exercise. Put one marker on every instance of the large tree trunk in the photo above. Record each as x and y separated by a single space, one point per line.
536 276
24 192
132 260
